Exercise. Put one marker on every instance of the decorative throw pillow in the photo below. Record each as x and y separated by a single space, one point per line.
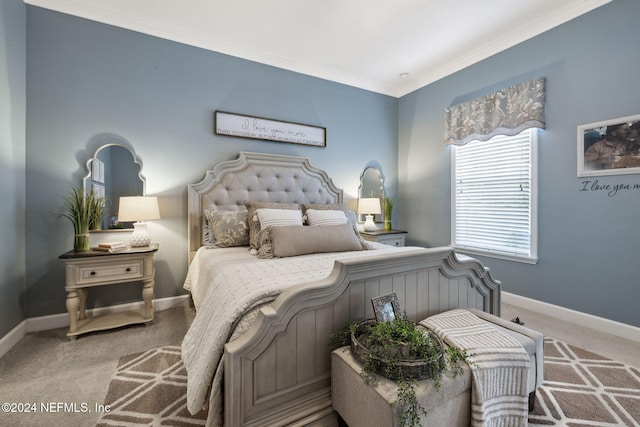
254 223
286 241
350 214
229 228
278 217
208 239
321 217
323 207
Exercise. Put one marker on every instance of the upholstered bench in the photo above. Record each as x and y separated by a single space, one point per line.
363 405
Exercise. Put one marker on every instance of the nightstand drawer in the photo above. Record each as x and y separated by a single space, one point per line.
392 240
386 237
118 271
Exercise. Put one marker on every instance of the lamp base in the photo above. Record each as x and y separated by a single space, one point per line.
369 225
140 236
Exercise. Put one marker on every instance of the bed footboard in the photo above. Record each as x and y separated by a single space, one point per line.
278 373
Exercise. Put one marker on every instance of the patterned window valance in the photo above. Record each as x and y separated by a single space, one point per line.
505 112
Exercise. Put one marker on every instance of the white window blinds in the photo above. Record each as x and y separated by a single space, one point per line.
494 203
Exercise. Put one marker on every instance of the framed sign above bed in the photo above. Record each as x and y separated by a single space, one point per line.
244 126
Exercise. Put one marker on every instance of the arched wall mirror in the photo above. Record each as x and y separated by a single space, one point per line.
371 185
114 171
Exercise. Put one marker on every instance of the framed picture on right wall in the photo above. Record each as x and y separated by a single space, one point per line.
610 147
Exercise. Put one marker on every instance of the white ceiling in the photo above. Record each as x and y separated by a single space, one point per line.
368 44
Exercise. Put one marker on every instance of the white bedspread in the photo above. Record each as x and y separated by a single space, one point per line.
229 283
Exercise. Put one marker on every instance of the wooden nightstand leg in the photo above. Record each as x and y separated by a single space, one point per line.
82 295
147 296
73 304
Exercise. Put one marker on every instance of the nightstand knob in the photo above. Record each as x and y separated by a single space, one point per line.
93 273
128 269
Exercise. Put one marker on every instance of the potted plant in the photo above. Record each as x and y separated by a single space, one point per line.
96 208
81 210
387 207
404 352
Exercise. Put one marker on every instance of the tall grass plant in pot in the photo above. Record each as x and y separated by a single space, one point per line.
81 210
387 208
97 209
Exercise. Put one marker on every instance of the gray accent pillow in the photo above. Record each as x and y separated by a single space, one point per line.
229 228
350 213
286 241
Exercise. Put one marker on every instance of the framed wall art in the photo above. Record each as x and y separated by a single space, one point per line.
244 126
386 307
610 147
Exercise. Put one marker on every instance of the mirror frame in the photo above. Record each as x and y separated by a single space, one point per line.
86 180
378 218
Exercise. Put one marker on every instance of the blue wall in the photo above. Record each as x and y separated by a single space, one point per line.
13 37
89 84
589 242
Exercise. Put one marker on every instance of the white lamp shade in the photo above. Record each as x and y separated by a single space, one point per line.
138 208
369 206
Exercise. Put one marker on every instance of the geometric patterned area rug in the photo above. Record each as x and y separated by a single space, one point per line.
150 389
582 389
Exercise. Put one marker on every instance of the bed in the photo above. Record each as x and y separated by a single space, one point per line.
258 351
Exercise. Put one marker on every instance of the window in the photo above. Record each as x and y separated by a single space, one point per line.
494 208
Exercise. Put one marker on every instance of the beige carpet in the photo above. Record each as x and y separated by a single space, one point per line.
581 389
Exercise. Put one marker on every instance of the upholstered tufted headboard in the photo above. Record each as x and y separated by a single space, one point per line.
257 177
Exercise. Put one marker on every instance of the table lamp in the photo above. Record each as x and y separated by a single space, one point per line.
139 209
369 207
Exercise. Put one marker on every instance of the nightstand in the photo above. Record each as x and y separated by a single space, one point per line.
96 268
387 237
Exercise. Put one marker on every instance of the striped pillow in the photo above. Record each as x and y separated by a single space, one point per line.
317 217
278 217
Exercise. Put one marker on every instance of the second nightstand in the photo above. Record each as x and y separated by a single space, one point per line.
387 237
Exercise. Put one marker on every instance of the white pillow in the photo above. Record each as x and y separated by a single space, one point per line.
318 217
278 217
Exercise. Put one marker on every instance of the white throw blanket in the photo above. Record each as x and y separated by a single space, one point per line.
234 288
499 366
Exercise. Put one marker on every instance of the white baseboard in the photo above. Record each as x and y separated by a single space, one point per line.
566 314
12 337
61 320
